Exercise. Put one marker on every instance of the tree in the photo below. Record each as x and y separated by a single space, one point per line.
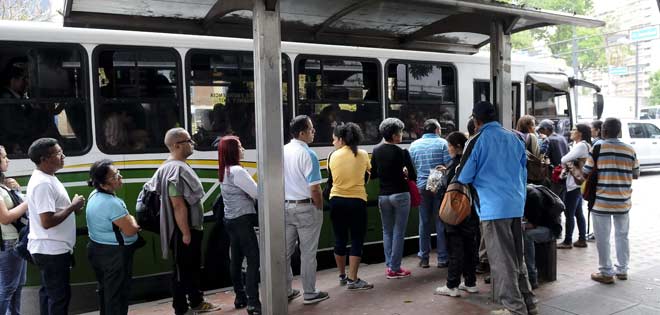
654 82
24 10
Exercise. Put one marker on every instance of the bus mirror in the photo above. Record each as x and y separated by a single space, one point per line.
599 105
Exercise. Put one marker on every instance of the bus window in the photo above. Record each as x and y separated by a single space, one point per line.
137 99
420 91
43 94
334 90
221 96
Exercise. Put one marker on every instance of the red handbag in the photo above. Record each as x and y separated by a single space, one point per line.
415 196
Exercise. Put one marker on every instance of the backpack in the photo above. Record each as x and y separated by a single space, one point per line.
147 208
458 200
21 222
536 169
553 207
20 247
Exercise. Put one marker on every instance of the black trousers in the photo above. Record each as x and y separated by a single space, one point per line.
186 274
244 244
113 266
462 246
55 291
348 215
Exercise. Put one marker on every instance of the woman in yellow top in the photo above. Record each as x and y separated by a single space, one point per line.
349 170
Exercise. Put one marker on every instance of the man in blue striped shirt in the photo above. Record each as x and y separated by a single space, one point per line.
427 153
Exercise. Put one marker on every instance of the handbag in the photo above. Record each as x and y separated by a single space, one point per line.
328 184
591 182
415 196
575 169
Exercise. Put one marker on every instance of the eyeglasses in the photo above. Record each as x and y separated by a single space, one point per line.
187 140
115 176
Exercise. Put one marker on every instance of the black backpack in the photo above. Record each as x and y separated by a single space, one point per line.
147 208
21 226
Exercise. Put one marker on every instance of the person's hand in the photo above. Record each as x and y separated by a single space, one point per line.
78 203
12 184
186 239
440 167
405 171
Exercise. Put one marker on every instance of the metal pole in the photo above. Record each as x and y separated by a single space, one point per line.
636 80
500 72
268 104
576 73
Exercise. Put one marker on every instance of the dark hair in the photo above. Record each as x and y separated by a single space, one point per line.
39 149
431 125
597 124
525 124
98 174
472 129
351 134
389 127
585 130
485 112
457 139
611 128
229 154
298 124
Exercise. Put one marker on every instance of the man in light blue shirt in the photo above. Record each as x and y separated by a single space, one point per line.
496 167
427 153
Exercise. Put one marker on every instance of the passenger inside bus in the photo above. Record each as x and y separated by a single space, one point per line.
14 115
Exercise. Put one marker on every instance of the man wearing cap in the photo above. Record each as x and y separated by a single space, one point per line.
554 147
498 160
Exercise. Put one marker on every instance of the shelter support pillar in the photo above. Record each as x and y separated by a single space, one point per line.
268 101
500 71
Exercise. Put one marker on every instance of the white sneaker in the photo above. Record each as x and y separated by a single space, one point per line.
447 291
473 289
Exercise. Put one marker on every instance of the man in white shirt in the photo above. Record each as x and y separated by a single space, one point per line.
303 207
52 227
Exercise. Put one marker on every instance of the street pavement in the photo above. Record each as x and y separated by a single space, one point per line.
573 292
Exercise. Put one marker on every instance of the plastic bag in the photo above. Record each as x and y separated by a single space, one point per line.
435 179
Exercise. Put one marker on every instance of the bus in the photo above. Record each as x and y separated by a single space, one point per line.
106 94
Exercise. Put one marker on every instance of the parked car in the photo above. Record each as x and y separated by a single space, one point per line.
644 136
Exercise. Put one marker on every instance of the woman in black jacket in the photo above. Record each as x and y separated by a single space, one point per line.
462 238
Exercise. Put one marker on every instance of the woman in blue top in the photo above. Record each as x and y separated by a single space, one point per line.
110 225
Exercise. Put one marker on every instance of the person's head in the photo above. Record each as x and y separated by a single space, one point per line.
302 129
472 129
456 143
179 142
432 126
611 128
230 153
391 129
581 132
483 112
596 128
104 176
546 127
47 155
4 163
18 79
526 124
349 135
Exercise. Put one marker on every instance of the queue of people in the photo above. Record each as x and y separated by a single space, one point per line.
508 221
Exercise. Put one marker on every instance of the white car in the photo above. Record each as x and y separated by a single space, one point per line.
644 136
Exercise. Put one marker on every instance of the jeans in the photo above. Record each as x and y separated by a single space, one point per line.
394 210
186 275
428 214
55 291
12 279
504 242
113 266
303 225
244 244
539 234
573 213
602 231
348 215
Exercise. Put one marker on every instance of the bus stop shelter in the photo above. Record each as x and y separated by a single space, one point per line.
451 26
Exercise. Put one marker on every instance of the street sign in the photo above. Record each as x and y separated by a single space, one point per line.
619 70
643 34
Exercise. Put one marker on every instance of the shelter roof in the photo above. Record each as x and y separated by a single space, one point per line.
429 25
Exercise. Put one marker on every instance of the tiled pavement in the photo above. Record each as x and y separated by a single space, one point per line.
572 293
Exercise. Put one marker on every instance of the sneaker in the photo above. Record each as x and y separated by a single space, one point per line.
424 262
402 273
254 310
482 268
487 280
472 289
343 280
563 245
453 292
318 298
622 276
294 294
599 277
580 243
205 307
503 311
443 264
359 284
240 302
591 237
533 310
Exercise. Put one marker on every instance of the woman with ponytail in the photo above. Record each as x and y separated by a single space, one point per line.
112 232
349 169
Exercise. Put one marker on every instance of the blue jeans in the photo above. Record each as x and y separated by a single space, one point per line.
12 279
574 213
394 210
602 231
539 234
428 213
55 291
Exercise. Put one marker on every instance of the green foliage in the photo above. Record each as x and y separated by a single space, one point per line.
654 81
522 40
23 10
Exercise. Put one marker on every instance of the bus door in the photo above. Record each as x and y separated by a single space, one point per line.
481 90
547 97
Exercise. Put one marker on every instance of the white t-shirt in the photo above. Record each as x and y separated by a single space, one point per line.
301 170
45 193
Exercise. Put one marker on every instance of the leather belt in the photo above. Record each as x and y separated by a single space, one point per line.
308 200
